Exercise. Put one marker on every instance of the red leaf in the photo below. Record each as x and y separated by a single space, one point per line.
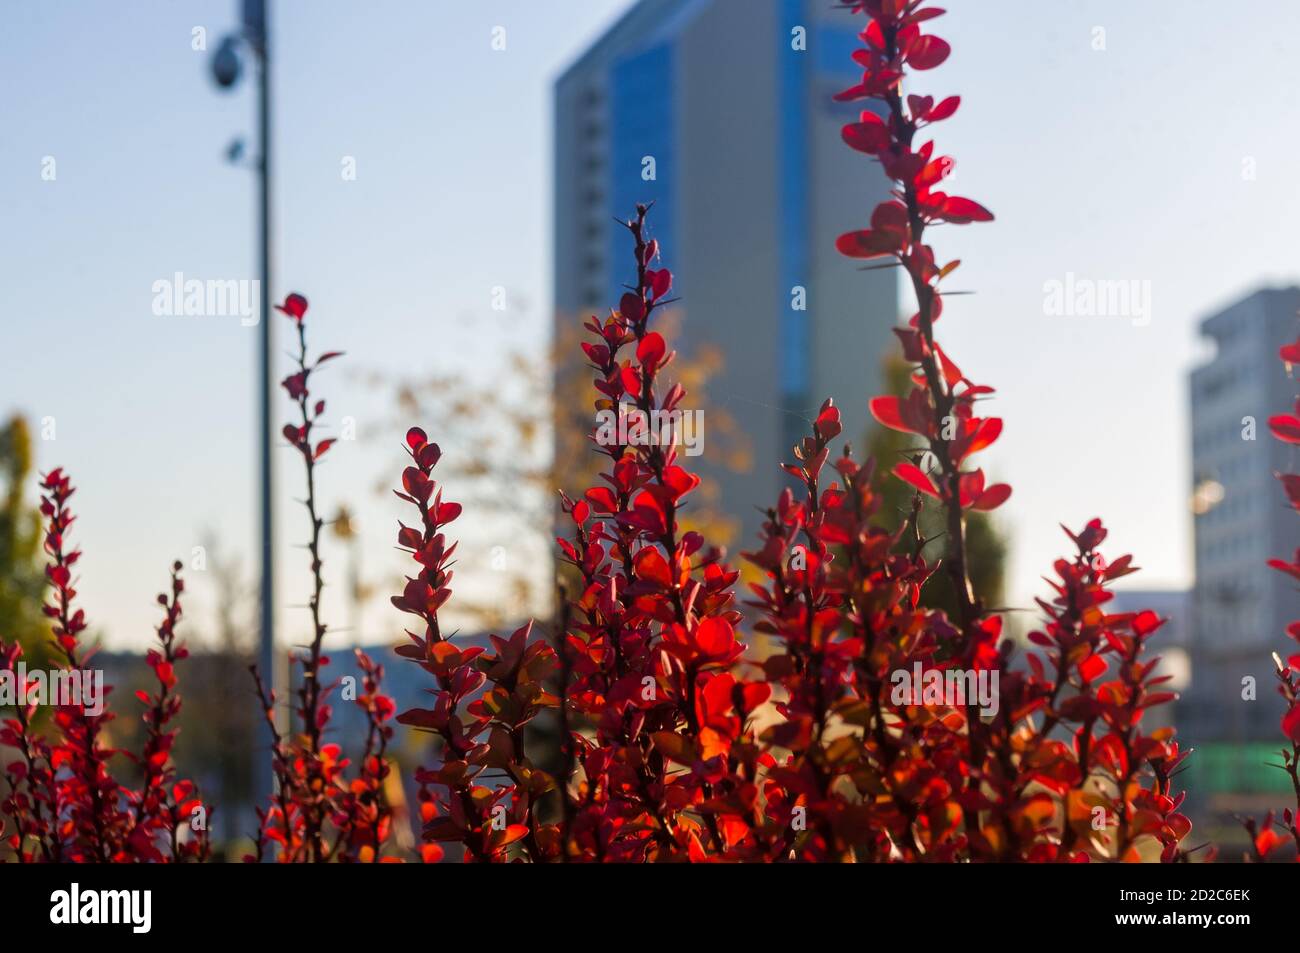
889 411
1091 667
867 136
602 498
651 349
1291 569
960 211
631 307
652 567
911 473
507 836
927 52
891 217
993 497
934 172
945 109
295 306
1146 622
1291 723
987 432
1285 428
868 243
715 637
858 91
1267 840
660 281
631 379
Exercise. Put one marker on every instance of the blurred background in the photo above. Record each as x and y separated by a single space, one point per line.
445 186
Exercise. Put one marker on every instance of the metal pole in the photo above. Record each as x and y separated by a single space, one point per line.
268 658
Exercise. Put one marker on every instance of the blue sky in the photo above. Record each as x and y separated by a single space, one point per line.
1117 163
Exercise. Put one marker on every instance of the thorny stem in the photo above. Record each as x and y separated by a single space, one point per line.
955 562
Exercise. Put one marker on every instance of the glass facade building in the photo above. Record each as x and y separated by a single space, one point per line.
720 113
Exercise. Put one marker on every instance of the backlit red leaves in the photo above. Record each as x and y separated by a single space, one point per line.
651 349
927 52
960 211
974 494
907 416
631 307
1291 724
944 110
868 243
661 282
61 796
295 306
711 642
992 497
1290 568
870 135
1285 427
975 435
912 474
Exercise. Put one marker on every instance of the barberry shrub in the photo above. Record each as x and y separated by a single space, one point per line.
677 745
1268 836
320 811
482 700
63 804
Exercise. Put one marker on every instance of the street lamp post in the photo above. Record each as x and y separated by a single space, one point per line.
226 68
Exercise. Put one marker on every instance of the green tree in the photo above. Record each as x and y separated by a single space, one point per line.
985 546
22 577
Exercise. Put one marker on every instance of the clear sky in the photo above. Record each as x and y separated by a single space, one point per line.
1165 157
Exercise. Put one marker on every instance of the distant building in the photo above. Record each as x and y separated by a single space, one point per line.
720 112
1240 608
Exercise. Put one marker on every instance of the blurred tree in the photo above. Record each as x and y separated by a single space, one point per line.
986 548
22 574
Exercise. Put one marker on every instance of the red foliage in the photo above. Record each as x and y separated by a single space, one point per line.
677 747
317 813
508 686
678 743
1264 836
63 802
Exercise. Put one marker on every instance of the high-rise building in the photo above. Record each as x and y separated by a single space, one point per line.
720 112
1240 608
